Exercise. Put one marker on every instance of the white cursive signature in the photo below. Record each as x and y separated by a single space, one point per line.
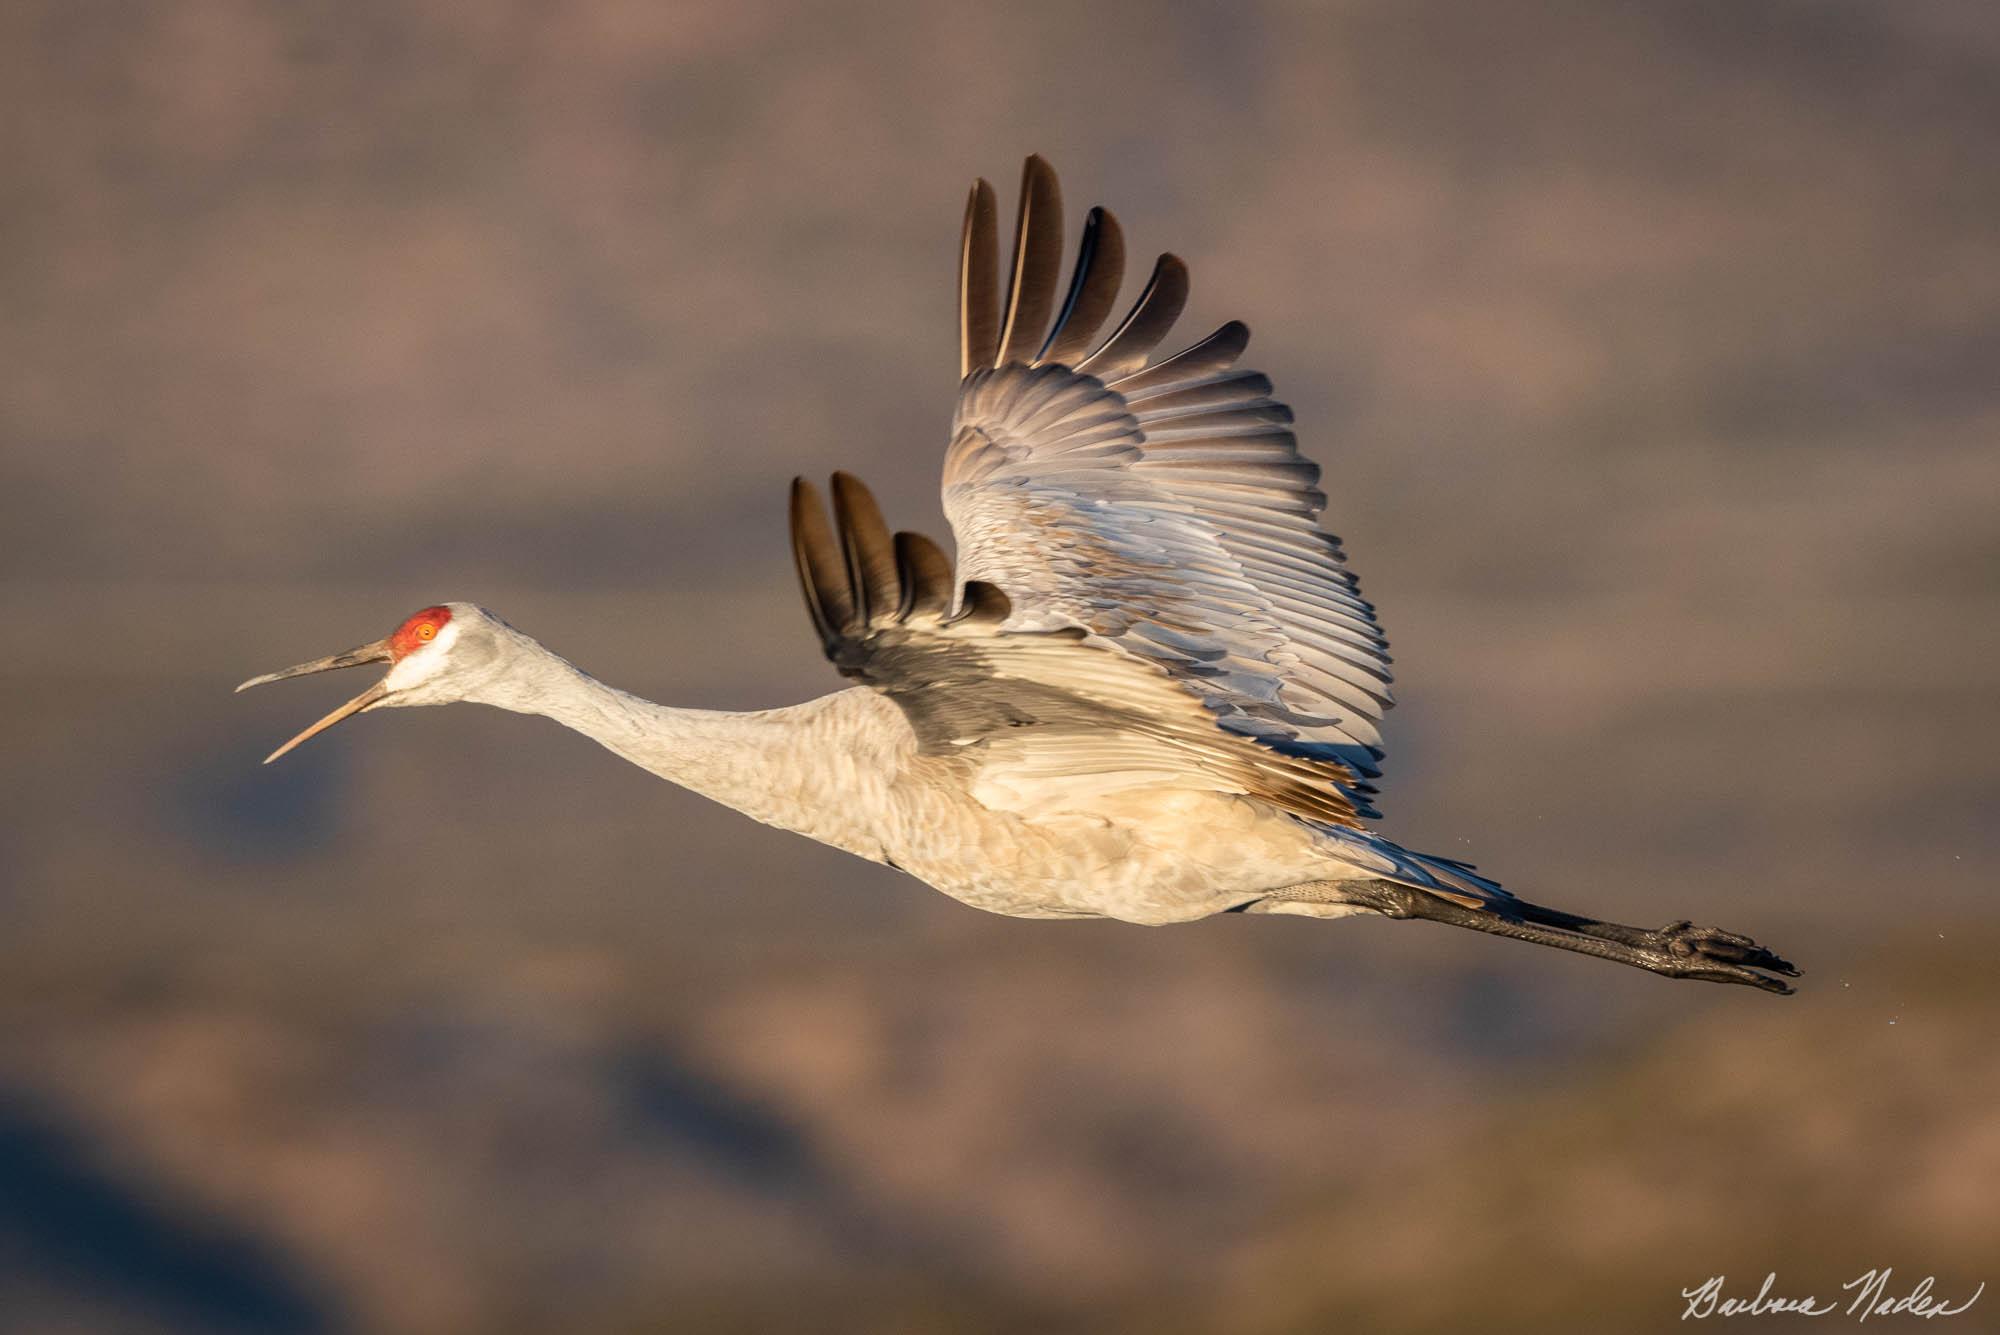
1870 1290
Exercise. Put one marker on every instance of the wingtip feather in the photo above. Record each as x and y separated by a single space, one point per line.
1093 289
979 280
822 570
866 548
1151 318
1038 230
926 576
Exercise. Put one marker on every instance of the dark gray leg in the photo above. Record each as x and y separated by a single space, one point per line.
1678 950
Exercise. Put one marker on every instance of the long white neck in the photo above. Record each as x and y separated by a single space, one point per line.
801 768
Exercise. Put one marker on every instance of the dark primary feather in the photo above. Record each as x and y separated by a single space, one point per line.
925 574
1213 355
1031 289
1093 287
979 281
870 553
1149 320
822 569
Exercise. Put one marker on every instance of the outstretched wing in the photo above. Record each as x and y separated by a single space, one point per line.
1163 508
1043 718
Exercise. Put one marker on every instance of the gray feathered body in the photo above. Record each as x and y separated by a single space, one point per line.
849 770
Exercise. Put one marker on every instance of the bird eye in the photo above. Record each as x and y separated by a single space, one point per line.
426 631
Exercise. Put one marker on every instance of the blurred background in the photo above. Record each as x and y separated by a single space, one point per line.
1649 348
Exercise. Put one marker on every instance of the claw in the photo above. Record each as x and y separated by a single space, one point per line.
1758 980
1733 957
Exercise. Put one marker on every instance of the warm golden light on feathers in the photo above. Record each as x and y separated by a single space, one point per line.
1149 688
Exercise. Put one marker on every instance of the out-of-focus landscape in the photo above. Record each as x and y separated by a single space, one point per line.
1650 350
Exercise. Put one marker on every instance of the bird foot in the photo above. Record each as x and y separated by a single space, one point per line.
1716 956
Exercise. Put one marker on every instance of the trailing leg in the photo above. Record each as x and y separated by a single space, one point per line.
1678 950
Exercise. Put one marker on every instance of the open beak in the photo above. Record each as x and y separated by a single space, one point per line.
377 652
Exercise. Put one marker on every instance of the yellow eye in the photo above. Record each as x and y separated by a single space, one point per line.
426 631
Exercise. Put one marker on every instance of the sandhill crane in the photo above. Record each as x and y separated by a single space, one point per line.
1151 691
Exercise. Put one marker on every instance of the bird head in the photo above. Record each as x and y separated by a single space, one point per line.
435 657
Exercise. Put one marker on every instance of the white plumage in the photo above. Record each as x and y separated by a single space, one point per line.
1152 690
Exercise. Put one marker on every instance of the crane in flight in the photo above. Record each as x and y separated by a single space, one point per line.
1151 689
